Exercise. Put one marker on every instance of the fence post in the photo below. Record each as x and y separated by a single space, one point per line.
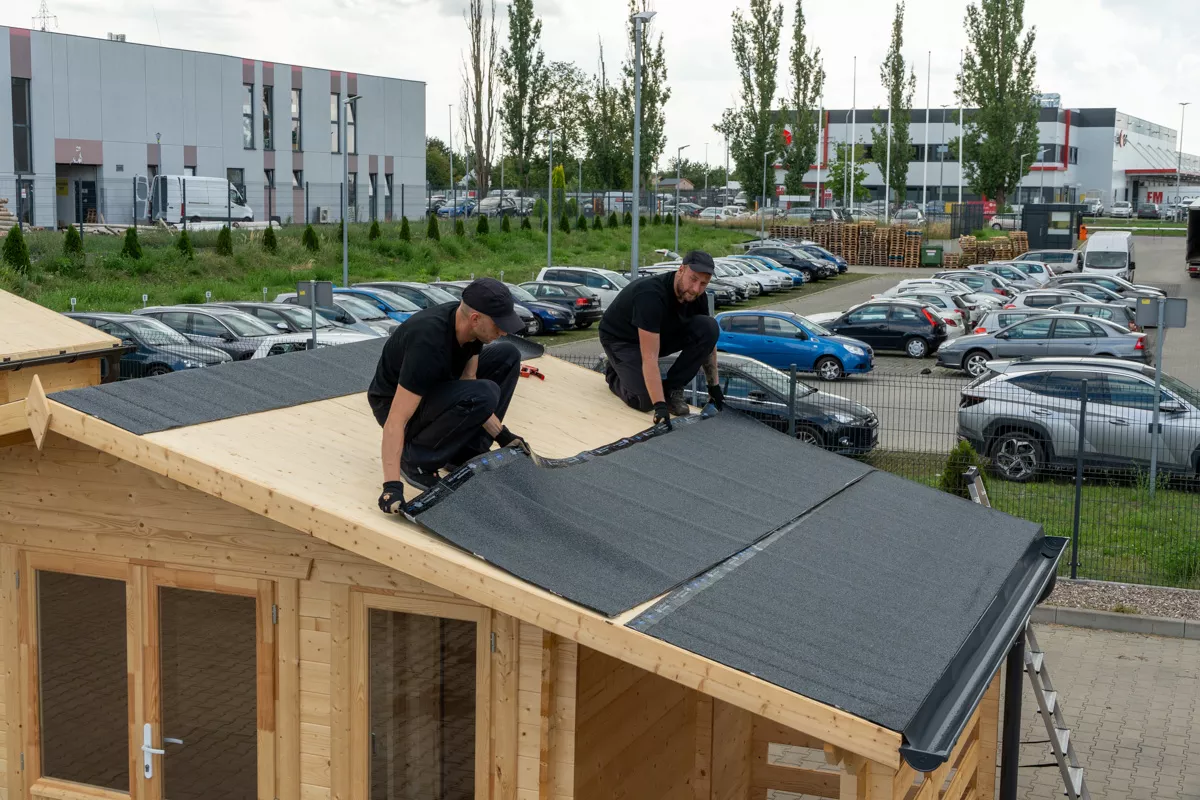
792 402
1083 398
307 215
20 205
228 208
183 204
79 206
342 203
402 209
135 202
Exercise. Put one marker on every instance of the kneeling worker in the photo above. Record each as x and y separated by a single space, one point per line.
438 394
654 317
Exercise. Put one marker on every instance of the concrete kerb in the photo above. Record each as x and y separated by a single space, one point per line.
1113 621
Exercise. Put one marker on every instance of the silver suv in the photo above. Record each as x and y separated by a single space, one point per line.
1024 415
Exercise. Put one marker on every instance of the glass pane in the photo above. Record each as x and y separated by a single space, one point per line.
422 700
209 695
84 679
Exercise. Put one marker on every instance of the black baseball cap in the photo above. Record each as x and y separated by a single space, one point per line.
490 296
699 261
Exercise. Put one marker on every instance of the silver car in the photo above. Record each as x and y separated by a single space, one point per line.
1109 312
1024 415
1056 335
999 319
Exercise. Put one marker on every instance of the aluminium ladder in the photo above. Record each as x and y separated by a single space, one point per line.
1056 727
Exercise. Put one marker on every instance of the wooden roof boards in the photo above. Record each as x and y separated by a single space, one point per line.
29 331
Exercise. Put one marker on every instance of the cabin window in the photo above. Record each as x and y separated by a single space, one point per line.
83 679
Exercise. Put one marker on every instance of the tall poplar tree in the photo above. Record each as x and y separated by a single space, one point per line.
800 108
524 75
900 88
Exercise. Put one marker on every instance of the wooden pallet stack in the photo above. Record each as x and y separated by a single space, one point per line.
1002 249
912 248
7 219
1020 242
969 246
895 247
850 243
950 261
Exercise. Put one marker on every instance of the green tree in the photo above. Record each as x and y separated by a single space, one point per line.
539 207
432 231
655 91
607 131
405 232
184 245
581 224
564 223
628 220
270 242
998 78
524 76
374 233
900 88
224 242
437 163
597 225
309 239
612 219
16 251
505 224
573 207
481 226
750 127
131 248
961 459
568 95
839 165
479 91
525 226
800 109
72 243
459 228
558 182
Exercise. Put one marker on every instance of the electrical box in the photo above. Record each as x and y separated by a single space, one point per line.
322 289
1174 312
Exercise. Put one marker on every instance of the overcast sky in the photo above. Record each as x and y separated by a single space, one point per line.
1137 56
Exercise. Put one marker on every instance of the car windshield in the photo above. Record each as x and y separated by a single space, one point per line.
617 278
1178 387
520 294
243 324
812 327
1106 259
302 318
1120 204
394 300
360 308
777 381
438 295
151 331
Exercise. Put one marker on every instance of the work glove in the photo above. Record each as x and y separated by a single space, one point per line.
391 501
662 414
716 396
506 438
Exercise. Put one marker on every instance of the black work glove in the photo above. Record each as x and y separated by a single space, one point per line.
662 414
391 501
506 438
716 396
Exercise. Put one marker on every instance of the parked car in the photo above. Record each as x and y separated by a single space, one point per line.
1094 208
1051 335
1059 261
548 317
781 281
1114 313
909 216
980 282
576 297
293 319
722 292
1005 222
810 266
1001 318
1149 211
955 304
956 324
797 277
714 214
1100 294
419 294
912 327
159 349
1045 298
1035 271
1122 209
830 215
1118 285
350 312
816 251
1011 274
396 307
235 332
824 420
1025 416
533 324
465 207
606 284
1110 253
766 283
746 287
780 339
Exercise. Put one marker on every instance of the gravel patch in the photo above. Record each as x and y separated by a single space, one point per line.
1149 601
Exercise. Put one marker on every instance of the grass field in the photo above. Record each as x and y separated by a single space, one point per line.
1125 535
104 280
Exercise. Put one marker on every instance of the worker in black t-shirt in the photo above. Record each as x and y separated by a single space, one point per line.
654 317
439 394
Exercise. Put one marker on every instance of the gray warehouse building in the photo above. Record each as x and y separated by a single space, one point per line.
86 124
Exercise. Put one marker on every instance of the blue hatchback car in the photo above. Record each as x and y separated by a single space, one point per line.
816 251
780 339
390 303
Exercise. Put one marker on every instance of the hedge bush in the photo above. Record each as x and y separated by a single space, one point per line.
72 243
405 233
16 251
960 459
225 242
433 230
309 239
184 245
131 248
270 242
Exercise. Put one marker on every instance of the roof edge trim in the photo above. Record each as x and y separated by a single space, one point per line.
60 358
929 737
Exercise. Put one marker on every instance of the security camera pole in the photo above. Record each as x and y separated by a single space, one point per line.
638 19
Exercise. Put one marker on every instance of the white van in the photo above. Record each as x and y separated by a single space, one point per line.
206 199
1109 253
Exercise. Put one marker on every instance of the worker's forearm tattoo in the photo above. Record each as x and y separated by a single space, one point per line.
710 369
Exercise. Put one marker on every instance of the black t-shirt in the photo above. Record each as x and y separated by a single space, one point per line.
420 354
650 304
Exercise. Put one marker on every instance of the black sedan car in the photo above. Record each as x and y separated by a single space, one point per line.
235 332
158 349
569 295
423 294
826 420
915 328
797 259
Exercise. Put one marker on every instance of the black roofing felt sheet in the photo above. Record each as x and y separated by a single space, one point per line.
864 603
621 529
193 396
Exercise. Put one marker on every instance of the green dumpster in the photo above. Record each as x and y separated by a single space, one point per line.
931 255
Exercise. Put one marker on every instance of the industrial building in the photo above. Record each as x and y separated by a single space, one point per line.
1086 153
85 125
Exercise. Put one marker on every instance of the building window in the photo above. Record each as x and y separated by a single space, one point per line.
248 116
335 101
189 171
22 133
268 102
351 119
295 120
297 179
1073 155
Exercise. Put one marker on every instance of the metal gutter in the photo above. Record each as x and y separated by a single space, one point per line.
933 731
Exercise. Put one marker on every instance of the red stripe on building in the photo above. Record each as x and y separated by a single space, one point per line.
1067 139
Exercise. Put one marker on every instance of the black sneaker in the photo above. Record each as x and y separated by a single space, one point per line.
677 405
419 476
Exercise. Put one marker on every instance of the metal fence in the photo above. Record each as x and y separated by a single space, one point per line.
1027 435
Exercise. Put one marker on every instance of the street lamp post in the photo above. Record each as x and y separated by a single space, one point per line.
678 176
346 193
639 19
925 165
1179 163
820 134
943 149
1021 173
550 201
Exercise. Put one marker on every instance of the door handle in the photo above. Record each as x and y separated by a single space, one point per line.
167 741
1121 422
149 751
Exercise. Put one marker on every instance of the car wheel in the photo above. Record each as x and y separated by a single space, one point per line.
534 327
808 275
916 347
828 368
1016 456
158 369
809 435
582 325
193 219
975 363
996 226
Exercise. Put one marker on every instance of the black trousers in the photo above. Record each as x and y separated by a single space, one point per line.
447 427
624 371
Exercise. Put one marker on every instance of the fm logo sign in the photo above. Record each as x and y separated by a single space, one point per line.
1154 197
